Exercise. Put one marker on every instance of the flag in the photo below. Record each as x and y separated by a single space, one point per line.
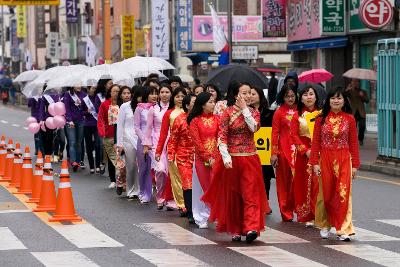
91 52
219 38
28 60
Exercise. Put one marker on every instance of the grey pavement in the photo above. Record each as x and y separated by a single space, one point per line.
375 197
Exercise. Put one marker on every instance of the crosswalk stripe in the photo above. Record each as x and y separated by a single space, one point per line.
391 222
14 211
366 235
64 258
271 236
168 257
174 234
86 236
370 253
8 241
15 125
275 257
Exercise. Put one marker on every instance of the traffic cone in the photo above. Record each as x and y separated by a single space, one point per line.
17 167
26 177
47 200
65 210
3 154
9 162
37 179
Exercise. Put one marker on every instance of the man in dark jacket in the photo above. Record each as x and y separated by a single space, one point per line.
292 79
272 88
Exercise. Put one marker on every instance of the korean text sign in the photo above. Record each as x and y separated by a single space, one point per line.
184 25
274 18
160 29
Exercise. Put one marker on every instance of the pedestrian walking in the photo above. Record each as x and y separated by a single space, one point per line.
214 90
46 134
34 105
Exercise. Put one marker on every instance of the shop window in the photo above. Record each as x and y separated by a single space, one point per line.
221 6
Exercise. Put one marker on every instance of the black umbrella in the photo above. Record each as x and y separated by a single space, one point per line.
223 75
318 88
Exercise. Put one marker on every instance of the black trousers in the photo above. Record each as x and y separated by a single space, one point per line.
111 170
92 143
268 173
361 123
59 143
47 141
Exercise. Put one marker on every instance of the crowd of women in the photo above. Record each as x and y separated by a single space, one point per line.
195 152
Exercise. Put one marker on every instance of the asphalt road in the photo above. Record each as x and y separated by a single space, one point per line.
118 232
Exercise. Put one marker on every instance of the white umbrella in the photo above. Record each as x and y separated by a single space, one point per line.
70 78
143 66
28 75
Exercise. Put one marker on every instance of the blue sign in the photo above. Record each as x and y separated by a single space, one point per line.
71 7
14 40
184 25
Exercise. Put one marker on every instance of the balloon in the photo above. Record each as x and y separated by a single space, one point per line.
50 123
59 108
34 127
30 120
59 121
42 126
51 109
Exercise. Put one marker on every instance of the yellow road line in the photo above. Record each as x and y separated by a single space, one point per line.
378 180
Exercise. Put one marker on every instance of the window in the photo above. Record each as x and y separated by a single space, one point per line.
221 6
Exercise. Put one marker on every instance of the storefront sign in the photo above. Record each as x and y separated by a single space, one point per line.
71 7
128 48
15 52
355 24
274 18
303 20
21 21
160 29
333 17
30 2
376 14
245 52
245 29
52 45
263 144
139 39
184 25
40 27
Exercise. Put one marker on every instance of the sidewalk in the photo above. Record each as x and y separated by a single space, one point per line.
371 162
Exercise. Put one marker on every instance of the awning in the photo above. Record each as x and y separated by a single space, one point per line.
197 57
318 43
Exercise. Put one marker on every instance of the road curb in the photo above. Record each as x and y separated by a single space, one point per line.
380 168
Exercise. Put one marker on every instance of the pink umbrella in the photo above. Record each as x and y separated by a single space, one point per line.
315 76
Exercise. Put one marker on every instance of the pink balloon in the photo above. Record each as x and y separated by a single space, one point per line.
34 127
50 123
59 121
51 109
59 108
30 120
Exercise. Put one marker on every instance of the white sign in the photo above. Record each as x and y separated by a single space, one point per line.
160 29
245 52
53 50
372 123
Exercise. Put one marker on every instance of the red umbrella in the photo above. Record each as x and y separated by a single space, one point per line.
315 76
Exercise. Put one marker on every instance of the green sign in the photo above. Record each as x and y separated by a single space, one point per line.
355 24
333 17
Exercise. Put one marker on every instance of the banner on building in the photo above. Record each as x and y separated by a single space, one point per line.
15 53
52 46
160 29
40 27
71 7
184 25
30 2
139 39
28 60
21 21
333 17
303 20
245 52
128 44
274 18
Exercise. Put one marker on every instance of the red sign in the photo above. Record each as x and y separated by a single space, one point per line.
376 14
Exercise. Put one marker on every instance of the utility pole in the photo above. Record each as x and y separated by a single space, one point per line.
2 37
230 29
106 31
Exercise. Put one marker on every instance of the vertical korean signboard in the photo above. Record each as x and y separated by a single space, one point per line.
21 21
15 53
184 25
274 18
303 20
333 17
40 27
71 7
355 24
53 51
160 29
128 44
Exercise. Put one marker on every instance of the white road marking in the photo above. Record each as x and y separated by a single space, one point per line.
14 211
391 222
370 253
366 235
86 236
15 125
271 236
64 258
8 241
25 128
168 257
275 257
174 234
3 121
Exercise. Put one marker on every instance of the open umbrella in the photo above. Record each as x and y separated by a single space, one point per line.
28 75
223 75
315 76
361 74
143 66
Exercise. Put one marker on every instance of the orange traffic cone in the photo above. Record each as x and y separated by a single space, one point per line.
65 210
3 154
26 177
47 200
9 162
37 179
17 167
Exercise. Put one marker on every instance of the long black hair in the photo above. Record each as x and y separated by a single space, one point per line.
186 101
264 105
280 99
108 93
178 90
327 105
138 91
233 91
101 87
119 100
164 85
201 100
213 86
300 104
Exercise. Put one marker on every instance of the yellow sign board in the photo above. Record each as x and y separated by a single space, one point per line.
139 38
310 118
128 44
21 21
30 2
263 144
